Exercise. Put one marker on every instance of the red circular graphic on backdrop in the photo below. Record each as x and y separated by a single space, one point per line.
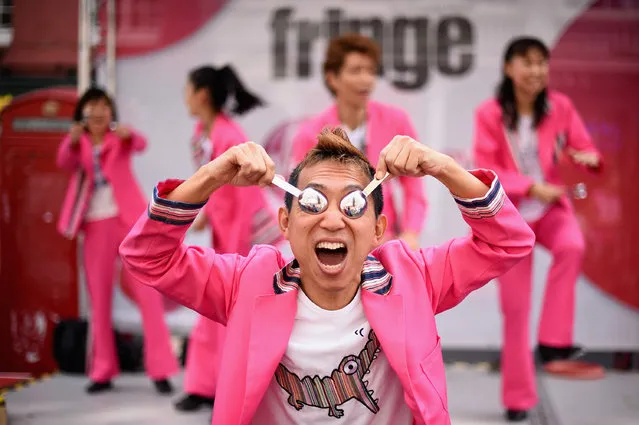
145 26
596 63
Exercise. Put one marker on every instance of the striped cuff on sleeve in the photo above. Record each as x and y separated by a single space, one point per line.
489 204
171 212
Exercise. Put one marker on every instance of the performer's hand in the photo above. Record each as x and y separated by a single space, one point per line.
546 192
76 132
411 239
123 133
247 164
589 159
404 156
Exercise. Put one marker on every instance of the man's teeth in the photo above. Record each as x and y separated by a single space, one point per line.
330 245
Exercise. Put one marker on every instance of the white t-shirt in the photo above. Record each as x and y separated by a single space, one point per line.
202 152
357 136
333 372
102 203
207 148
531 209
203 149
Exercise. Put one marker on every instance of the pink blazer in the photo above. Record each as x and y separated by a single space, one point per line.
115 161
242 216
492 144
384 122
255 296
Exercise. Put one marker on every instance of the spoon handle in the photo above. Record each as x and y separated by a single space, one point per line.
373 185
283 184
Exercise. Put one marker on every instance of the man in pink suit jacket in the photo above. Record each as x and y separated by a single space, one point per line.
347 329
350 72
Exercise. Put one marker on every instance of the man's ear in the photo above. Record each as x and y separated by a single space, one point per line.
380 229
283 221
331 78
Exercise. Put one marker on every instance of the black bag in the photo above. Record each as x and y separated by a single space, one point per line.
130 352
70 347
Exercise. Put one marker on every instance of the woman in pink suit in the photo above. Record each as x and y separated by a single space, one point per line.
350 73
103 201
523 134
238 217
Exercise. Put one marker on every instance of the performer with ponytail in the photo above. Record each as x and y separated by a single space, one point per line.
103 202
238 217
523 134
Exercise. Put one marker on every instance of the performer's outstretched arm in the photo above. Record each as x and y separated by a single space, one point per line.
154 252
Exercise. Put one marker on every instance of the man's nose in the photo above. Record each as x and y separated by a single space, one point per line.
332 219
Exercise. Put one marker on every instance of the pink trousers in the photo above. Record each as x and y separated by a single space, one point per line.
203 357
559 232
102 239
204 352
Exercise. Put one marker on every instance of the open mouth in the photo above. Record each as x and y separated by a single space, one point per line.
331 254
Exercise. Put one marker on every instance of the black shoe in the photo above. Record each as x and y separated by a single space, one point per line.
99 387
548 353
516 415
192 402
163 386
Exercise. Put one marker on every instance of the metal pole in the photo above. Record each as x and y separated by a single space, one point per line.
84 47
110 48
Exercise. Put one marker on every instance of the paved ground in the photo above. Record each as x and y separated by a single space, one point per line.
473 399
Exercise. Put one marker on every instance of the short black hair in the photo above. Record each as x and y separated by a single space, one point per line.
91 95
333 145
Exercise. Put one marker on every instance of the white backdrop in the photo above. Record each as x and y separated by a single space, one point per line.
150 97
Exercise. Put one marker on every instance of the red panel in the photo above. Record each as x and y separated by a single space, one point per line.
45 35
39 271
596 63
11 379
38 267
